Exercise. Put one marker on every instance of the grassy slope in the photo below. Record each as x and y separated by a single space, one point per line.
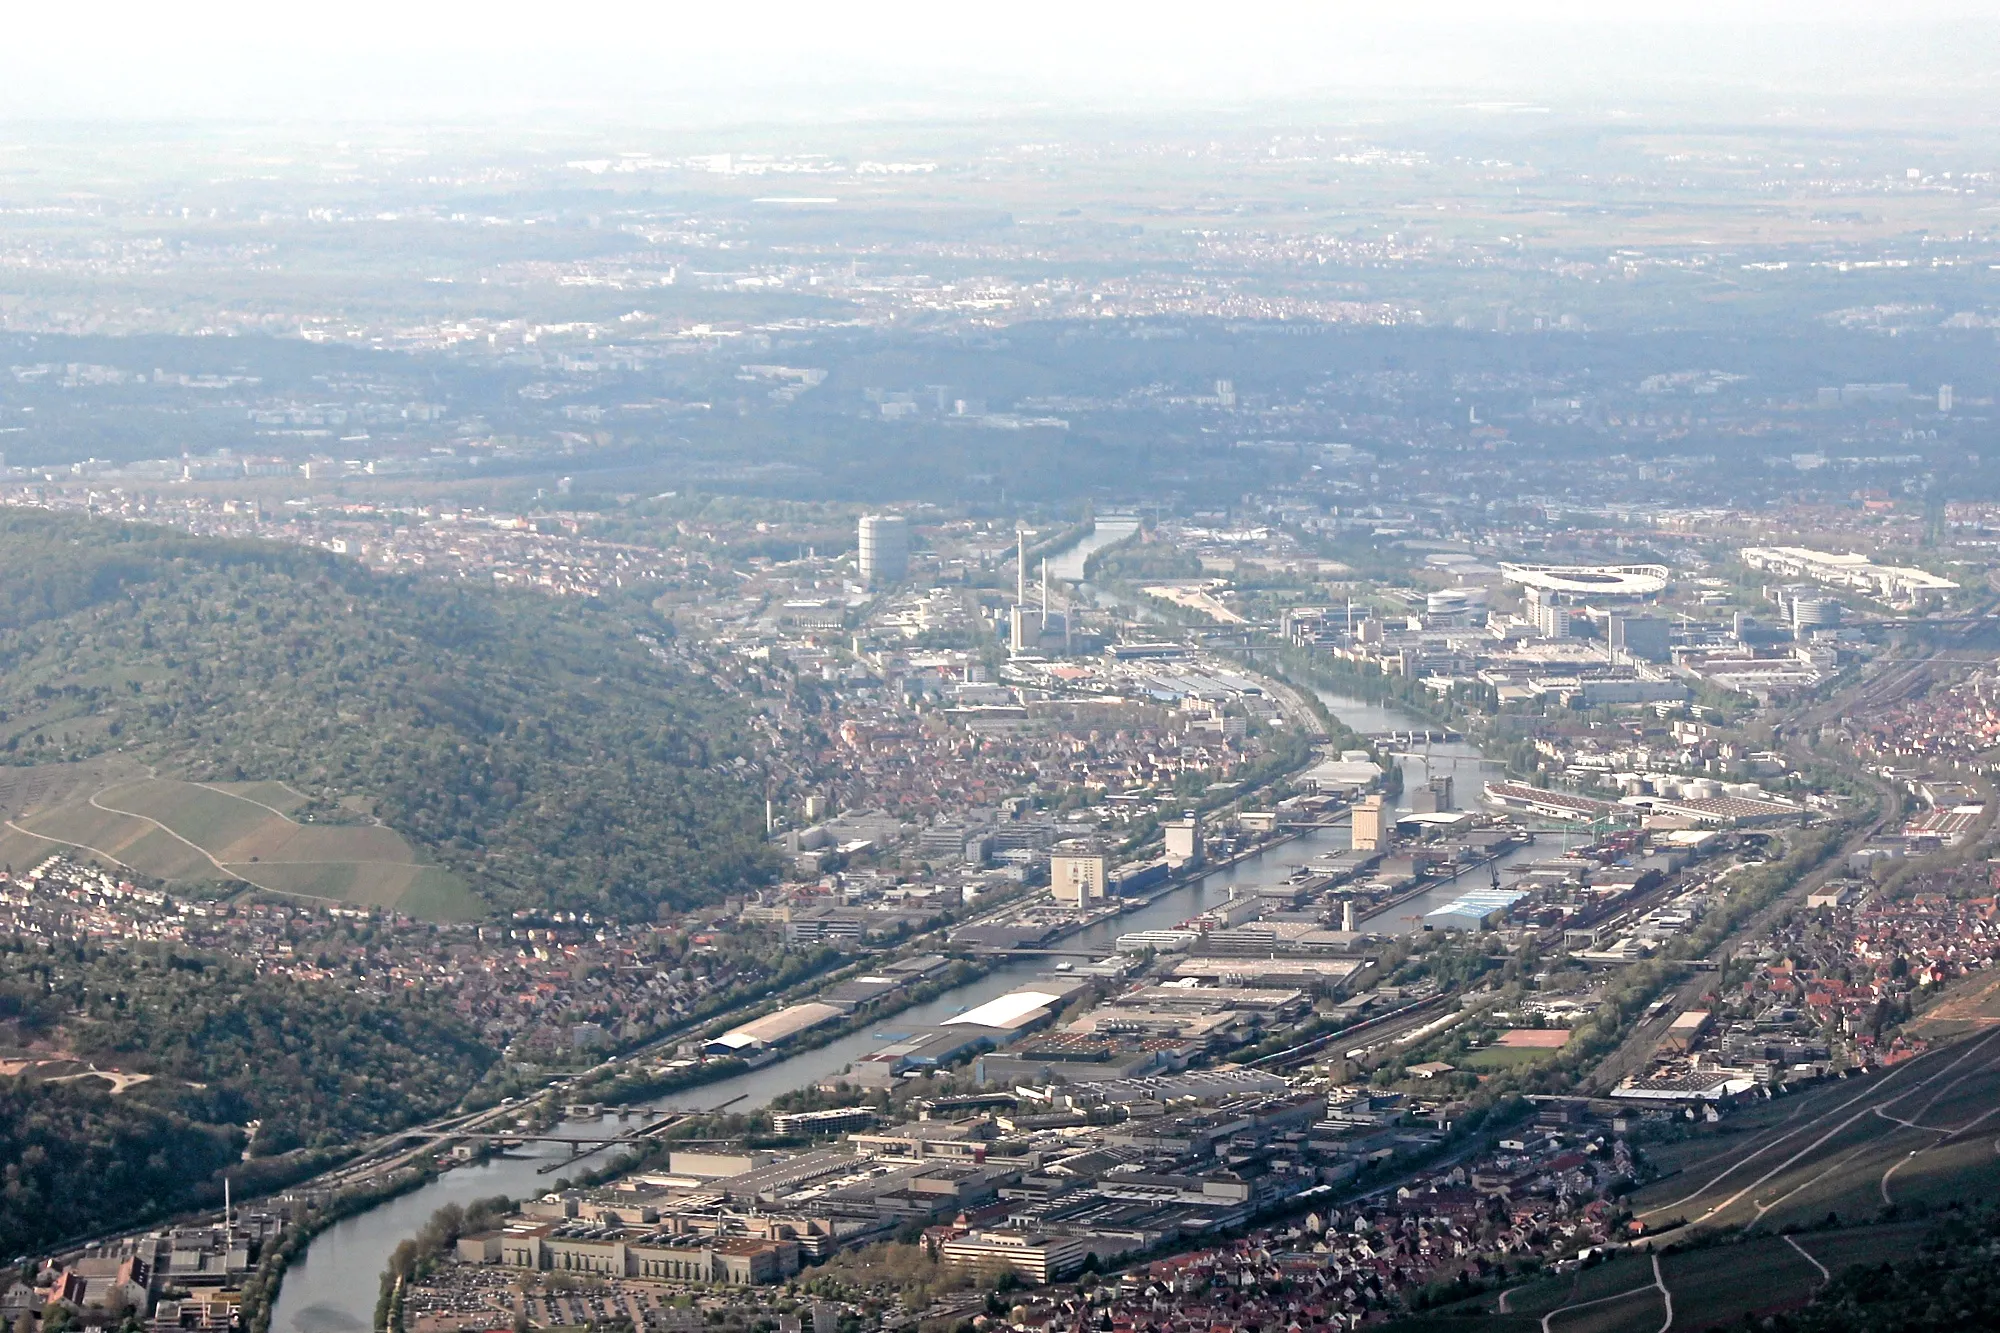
148 826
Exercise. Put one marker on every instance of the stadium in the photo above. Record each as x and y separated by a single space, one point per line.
1593 582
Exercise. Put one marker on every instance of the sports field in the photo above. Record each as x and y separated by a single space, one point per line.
1490 1058
229 833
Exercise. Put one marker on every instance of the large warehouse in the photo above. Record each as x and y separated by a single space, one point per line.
1010 1012
774 1029
1481 909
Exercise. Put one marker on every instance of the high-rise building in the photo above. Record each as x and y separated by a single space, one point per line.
1640 638
1183 837
1078 878
1550 620
1944 398
1368 824
885 549
1811 613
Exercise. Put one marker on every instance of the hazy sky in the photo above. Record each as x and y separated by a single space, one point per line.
368 58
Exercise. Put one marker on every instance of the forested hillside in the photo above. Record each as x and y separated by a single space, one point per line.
77 1161
316 1064
540 747
309 1064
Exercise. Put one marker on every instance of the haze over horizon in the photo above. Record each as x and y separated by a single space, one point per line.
785 60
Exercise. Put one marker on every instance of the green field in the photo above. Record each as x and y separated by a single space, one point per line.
431 892
211 820
121 839
276 795
1492 1059
238 835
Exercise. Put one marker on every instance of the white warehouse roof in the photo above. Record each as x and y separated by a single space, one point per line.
1009 1011
776 1027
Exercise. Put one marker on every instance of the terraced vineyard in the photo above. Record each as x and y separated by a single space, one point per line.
1816 1179
1710 1287
1923 1132
224 833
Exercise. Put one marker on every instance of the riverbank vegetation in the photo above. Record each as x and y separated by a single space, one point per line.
420 1254
260 1290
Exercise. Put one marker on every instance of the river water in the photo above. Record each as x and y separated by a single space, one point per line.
1110 529
332 1288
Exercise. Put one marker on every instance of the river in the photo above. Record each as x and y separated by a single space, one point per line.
333 1287
1109 530
1468 771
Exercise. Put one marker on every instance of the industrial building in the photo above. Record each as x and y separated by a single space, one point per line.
1037 1259
1078 878
1640 638
774 1029
1847 569
1686 1031
1367 825
633 1252
1010 1012
1183 840
1482 909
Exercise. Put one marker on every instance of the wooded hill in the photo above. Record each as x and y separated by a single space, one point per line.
555 753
